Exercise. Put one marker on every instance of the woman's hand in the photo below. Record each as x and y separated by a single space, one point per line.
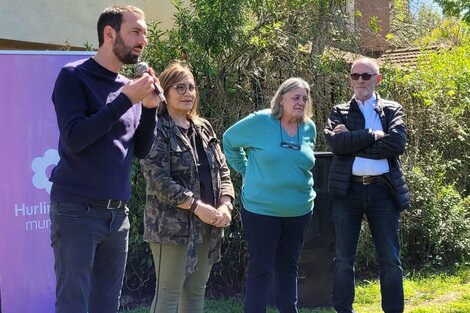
225 216
208 214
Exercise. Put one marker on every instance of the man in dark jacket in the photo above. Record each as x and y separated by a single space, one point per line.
366 135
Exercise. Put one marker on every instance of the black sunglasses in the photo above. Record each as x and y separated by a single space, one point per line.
365 76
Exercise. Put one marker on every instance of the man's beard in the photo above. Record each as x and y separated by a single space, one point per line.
123 52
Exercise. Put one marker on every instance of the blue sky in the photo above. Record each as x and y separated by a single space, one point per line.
416 4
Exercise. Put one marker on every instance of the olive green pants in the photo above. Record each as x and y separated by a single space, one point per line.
175 292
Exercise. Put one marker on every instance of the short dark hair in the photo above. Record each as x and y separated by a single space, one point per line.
112 16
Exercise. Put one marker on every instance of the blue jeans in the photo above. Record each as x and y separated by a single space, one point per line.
90 251
274 247
376 202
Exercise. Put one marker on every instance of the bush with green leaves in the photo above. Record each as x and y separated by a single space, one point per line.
240 51
436 96
436 231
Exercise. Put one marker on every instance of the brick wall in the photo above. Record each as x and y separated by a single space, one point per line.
373 43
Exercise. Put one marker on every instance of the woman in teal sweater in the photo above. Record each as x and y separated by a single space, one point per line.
273 149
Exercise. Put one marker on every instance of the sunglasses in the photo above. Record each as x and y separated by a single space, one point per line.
364 76
182 88
292 146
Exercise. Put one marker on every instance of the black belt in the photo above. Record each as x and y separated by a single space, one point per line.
366 180
109 204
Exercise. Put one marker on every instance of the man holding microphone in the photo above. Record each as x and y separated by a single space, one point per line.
104 120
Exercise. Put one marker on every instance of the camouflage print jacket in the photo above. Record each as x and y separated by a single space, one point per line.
172 176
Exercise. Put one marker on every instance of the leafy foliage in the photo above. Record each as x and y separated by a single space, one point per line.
140 277
241 50
436 95
456 8
450 32
406 28
436 232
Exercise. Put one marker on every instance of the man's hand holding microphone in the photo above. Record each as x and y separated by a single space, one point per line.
145 89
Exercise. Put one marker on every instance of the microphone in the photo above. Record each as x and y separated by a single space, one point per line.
141 68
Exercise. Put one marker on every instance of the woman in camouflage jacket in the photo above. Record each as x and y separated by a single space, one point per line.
189 197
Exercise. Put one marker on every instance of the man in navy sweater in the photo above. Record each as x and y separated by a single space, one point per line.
104 120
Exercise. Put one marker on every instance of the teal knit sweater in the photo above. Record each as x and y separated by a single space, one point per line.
277 181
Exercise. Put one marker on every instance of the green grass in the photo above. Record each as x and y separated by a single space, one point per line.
424 293
432 293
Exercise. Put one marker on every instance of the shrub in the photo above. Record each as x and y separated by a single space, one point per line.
435 231
241 55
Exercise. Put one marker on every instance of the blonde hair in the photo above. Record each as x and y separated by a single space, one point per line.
286 86
172 75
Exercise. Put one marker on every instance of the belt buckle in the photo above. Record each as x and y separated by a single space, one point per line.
365 180
111 204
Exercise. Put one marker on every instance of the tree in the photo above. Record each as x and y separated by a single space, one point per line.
456 8
450 32
241 50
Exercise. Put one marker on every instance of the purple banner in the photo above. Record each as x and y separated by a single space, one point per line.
29 144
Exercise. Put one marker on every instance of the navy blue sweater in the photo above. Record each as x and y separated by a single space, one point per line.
100 132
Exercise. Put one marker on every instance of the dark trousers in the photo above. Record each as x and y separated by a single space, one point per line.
274 247
90 250
376 202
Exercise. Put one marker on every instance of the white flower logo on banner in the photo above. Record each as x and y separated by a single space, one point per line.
40 165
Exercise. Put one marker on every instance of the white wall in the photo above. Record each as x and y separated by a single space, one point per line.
68 21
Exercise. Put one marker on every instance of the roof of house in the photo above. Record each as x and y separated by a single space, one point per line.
406 58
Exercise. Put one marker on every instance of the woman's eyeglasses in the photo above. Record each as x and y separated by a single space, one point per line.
181 88
289 145
292 146
365 76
